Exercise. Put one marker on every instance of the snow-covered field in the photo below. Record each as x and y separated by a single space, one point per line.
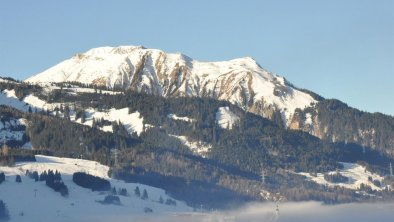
34 201
356 173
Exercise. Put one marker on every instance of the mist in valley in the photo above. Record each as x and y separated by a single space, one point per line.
288 212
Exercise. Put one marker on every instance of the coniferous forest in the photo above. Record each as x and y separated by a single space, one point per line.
229 172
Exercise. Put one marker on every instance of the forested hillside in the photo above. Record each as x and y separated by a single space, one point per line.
195 148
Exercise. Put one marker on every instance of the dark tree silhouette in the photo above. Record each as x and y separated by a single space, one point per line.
144 195
2 177
18 179
137 191
4 215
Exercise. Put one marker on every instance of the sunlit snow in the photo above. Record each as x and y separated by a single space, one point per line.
34 201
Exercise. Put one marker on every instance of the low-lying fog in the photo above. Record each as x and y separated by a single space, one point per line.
288 212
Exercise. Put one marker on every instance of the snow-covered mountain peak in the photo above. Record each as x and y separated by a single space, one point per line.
240 81
247 61
113 50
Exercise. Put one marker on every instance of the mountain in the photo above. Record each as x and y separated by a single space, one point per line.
240 81
209 133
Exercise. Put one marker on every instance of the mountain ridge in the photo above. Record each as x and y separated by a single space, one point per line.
241 81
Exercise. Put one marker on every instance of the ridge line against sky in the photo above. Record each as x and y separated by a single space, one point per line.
338 49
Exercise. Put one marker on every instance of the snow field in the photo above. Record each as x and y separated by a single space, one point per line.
356 173
38 202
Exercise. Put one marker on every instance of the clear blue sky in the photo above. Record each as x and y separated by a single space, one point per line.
340 49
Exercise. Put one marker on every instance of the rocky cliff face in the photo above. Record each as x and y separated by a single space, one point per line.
241 81
334 121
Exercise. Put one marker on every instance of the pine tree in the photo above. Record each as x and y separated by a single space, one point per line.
67 112
2 177
35 176
83 117
144 195
57 176
137 191
123 192
43 175
18 179
4 215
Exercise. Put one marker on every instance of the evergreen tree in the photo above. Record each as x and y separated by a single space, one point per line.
144 195
137 191
123 192
43 175
67 112
4 215
2 177
57 176
35 176
18 179
83 117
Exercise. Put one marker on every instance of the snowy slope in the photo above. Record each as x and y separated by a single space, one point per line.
356 173
225 118
12 129
198 147
133 121
40 203
240 81
8 98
